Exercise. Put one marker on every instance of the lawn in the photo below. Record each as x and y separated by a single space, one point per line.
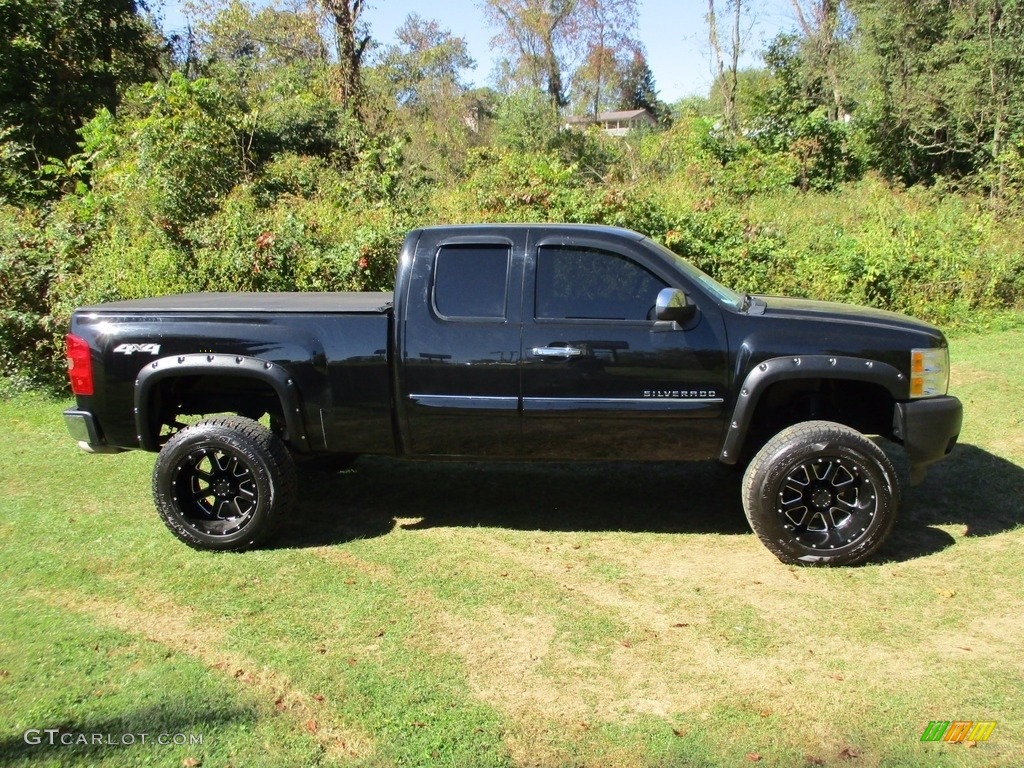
459 615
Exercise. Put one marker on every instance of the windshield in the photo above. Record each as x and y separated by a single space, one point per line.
715 288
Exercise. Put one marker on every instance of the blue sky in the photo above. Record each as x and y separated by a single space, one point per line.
673 32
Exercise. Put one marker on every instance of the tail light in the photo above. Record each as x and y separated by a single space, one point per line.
79 365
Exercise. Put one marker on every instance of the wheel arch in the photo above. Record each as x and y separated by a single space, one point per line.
873 380
152 380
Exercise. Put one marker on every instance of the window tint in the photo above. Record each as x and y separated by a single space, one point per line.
592 284
471 280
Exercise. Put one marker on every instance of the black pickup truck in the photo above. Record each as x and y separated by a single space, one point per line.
518 342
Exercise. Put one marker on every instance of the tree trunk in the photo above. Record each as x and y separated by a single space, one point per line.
728 80
350 48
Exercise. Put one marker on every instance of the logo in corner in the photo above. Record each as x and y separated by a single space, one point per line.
958 730
142 349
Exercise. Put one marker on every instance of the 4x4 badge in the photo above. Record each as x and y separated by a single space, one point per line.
131 349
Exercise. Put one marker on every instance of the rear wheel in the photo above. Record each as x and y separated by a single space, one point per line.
221 484
820 493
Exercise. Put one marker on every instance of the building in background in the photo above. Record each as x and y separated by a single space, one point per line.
613 123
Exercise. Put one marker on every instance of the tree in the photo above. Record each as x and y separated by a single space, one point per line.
606 32
271 35
636 87
941 84
426 64
826 25
726 57
62 60
420 79
253 48
174 151
527 122
533 32
351 39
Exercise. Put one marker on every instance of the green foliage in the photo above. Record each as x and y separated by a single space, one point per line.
637 89
527 121
1004 180
598 155
922 252
690 144
748 171
786 120
938 84
426 65
177 148
305 123
416 88
61 60
505 185
296 245
17 184
516 187
29 268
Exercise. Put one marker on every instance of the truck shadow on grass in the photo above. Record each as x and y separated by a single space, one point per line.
972 488
378 493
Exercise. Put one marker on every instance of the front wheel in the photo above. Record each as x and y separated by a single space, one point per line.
820 493
222 484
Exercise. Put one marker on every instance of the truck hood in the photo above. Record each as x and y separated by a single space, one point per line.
830 311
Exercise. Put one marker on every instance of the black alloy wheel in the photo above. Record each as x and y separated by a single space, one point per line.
216 490
223 483
820 493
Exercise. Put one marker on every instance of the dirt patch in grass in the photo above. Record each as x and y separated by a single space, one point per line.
178 628
986 637
345 559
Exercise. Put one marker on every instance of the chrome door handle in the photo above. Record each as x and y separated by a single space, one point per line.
552 352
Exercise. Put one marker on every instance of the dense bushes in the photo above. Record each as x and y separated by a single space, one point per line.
27 323
939 256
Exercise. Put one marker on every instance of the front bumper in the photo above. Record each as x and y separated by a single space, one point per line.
928 429
83 428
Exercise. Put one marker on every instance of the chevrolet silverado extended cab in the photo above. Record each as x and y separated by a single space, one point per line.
518 342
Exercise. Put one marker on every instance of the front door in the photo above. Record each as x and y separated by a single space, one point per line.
601 379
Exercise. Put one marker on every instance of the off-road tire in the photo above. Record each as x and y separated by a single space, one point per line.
223 483
820 493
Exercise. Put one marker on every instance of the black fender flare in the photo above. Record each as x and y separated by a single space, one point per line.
272 374
776 369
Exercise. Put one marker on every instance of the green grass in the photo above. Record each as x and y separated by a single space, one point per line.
419 614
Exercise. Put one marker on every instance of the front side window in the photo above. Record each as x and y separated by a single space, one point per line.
591 284
471 281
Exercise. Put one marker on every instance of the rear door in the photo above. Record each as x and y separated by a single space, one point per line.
600 378
461 350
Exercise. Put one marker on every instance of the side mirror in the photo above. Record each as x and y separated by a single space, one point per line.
673 305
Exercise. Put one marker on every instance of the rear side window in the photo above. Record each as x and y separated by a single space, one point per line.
591 284
471 281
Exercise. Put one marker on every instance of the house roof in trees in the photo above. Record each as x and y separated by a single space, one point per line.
613 123
624 116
